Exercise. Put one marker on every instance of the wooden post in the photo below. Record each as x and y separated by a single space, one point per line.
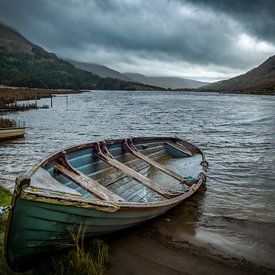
51 101
35 98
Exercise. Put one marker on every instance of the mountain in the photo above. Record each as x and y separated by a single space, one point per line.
23 63
165 82
100 70
261 78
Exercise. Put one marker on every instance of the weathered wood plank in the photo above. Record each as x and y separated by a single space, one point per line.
180 148
10 133
88 184
131 149
103 154
42 179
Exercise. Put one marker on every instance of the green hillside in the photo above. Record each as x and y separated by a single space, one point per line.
24 64
259 79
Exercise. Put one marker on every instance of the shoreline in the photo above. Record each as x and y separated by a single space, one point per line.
12 94
272 93
140 251
248 92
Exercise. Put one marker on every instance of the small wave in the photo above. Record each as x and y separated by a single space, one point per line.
214 220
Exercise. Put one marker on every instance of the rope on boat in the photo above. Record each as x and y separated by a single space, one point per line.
4 210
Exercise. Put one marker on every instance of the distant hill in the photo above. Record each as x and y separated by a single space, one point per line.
23 63
100 70
165 82
261 78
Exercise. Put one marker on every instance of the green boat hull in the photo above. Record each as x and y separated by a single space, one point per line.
38 228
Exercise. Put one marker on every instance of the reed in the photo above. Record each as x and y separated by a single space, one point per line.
88 257
7 123
9 95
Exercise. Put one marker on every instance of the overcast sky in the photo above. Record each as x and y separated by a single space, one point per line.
199 39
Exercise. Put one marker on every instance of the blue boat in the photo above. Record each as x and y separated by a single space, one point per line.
100 187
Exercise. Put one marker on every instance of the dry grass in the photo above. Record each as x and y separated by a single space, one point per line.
12 94
7 123
89 257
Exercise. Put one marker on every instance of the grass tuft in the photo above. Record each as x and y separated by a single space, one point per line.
7 123
5 196
89 257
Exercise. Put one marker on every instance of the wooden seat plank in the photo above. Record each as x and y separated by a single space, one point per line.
106 156
180 148
132 149
88 184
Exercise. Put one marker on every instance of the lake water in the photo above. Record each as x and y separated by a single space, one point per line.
236 213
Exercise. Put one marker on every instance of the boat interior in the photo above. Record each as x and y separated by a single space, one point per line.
131 170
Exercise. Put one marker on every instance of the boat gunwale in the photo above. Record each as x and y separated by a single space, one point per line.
54 156
124 205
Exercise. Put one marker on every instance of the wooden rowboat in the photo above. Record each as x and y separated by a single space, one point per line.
101 187
11 133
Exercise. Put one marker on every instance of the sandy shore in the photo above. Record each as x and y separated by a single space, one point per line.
140 251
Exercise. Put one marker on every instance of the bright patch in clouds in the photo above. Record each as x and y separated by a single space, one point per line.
249 43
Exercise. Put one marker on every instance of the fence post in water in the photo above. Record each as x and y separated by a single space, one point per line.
35 98
67 99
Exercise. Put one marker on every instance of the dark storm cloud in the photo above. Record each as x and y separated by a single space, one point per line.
210 34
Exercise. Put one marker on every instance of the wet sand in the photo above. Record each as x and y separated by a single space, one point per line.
144 252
